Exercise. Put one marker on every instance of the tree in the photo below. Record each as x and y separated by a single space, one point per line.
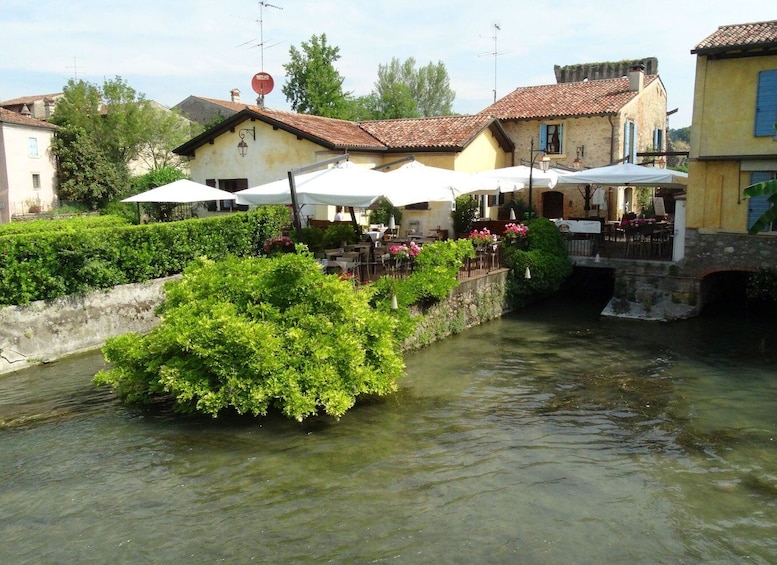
405 91
112 126
164 130
159 211
85 173
313 85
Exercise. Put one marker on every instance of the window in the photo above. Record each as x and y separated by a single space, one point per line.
630 142
658 139
36 181
766 104
757 205
33 145
551 138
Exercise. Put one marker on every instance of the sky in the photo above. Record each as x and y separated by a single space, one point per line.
171 49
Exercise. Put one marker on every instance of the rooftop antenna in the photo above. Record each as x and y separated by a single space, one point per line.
262 5
496 54
75 69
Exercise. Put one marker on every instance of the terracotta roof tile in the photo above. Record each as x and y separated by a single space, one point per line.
341 133
590 98
29 99
10 117
416 133
739 36
427 133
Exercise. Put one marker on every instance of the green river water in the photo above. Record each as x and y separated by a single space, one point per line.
548 436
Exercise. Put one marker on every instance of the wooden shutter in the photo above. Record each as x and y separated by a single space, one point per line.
766 104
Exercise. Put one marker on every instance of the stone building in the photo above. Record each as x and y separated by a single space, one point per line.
598 114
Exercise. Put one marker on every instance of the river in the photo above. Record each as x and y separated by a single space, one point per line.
547 436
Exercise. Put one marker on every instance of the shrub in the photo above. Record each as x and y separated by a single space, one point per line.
464 214
546 258
312 237
337 234
383 212
246 334
62 225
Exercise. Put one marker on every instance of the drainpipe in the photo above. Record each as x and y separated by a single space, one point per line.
612 139
678 245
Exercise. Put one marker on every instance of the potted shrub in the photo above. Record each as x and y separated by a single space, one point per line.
464 214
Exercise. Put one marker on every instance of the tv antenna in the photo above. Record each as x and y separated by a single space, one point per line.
495 53
262 5
75 69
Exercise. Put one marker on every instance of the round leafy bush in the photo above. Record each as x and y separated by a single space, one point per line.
243 335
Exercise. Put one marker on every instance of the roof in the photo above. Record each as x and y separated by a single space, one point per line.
739 37
448 132
29 99
569 100
442 132
7 116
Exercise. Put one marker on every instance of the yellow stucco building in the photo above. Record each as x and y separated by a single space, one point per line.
255 145
733 140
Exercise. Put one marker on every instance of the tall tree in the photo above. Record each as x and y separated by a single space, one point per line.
115 127
313 85
85 174
405 91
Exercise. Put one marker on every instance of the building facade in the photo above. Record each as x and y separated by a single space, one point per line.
256 145
27 167
733 136
599 117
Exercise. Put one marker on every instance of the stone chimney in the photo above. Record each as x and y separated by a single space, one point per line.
234 95
636 78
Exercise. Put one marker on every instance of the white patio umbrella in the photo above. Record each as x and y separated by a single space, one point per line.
181 191
344 184
627 174
519 175
415 182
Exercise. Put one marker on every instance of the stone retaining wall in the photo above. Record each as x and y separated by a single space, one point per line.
43 331
47 330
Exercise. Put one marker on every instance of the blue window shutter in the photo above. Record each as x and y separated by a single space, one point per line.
766 104
627 140
634 138
543 137
757 205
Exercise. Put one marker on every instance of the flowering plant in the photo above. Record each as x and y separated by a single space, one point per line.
635 222
402 251
279 244
482 237
515 232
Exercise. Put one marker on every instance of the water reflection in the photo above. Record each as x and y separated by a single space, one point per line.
548 436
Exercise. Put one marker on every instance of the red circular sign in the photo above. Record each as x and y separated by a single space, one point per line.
262 83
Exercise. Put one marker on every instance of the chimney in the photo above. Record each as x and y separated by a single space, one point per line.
234 94
636 78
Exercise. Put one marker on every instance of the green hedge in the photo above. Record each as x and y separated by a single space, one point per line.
62 224
47 264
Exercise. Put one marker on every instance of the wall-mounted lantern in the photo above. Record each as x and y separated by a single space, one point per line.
242 147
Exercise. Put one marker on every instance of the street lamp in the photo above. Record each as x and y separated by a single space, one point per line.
544 164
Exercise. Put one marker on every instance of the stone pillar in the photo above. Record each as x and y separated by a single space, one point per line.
678 246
